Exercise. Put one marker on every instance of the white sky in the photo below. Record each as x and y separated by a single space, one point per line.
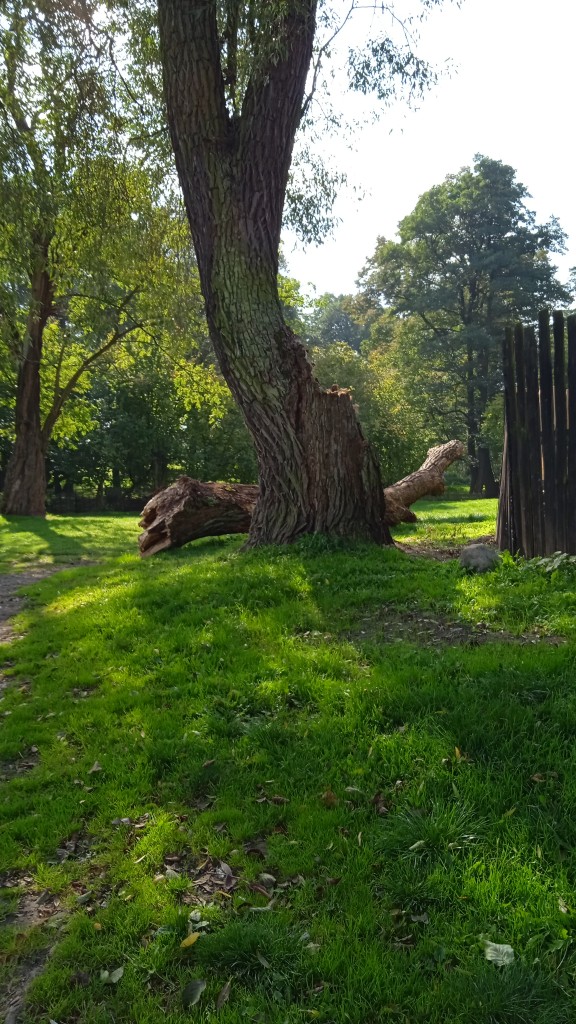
511 97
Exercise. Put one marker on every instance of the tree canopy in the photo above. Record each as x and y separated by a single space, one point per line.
469 258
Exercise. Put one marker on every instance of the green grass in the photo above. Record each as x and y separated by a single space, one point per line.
406 796
58 540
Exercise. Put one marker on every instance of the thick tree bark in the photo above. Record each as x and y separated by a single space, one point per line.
189 509
25 484
317 472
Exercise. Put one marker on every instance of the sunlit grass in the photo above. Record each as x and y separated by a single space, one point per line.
30 540
385 799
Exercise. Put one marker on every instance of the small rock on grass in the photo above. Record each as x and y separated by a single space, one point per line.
479 558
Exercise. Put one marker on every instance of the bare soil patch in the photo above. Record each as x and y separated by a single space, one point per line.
33 910
389 625
12 601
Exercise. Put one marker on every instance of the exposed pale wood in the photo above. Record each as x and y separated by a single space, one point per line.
189 509
429 479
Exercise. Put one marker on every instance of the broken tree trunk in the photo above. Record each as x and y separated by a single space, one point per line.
429 479
189 509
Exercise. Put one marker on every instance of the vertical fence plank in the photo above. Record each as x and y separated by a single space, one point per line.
510 481
547 431
523 500
571 466
561 445
533 443
537 511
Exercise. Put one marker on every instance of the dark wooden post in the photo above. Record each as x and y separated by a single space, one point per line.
560 429
533 483
547 432
571 487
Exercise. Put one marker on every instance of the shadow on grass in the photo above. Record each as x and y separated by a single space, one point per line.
25 539
227 689
47 538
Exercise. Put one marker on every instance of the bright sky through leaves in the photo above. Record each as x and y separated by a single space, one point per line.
510 97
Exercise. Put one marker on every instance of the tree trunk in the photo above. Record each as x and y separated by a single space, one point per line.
25 485
189 509
485 483
317 472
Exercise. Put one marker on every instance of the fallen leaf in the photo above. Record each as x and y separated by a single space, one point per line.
380 804
498 953
95 768
223 995
192 992
277 799
268 881
111 977
562 906
190 940
420 918
97 926
170 873
417 845
207 764
256 848
329 799
537 777
263 960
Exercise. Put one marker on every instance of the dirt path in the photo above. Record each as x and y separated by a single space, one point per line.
11 601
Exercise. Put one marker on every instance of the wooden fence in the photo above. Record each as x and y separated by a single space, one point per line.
537 509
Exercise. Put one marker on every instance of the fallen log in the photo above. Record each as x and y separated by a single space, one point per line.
190 509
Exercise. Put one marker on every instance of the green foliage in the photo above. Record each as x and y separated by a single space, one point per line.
334 319
401 770
470 258
391 419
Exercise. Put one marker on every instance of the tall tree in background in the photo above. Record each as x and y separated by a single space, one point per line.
53 109
470 258
94 249
235 77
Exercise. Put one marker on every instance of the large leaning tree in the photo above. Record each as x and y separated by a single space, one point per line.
239 79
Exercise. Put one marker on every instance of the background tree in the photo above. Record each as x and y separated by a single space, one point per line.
333 319
235 79
94 247
469 259
55 106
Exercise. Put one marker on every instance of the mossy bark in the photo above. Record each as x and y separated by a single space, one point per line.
317 472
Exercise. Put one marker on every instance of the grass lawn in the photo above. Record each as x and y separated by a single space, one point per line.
294 785
58 540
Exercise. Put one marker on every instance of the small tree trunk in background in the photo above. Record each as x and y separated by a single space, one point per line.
25 484
485 482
